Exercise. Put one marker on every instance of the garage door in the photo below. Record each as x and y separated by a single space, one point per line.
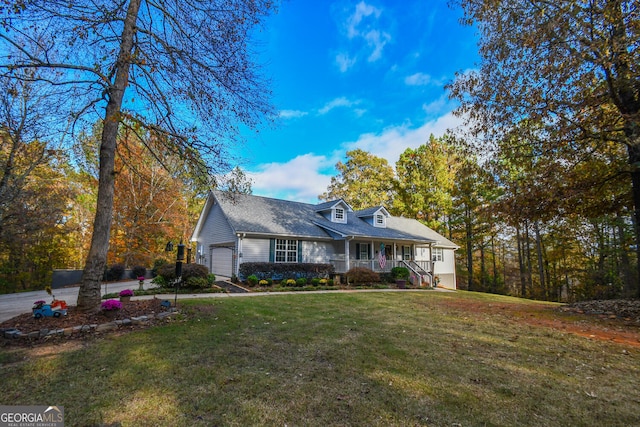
222 261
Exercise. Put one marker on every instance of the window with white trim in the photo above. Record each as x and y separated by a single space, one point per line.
339 216
286 250
379 221
438 255
364 251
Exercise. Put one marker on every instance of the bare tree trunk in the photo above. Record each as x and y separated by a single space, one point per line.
529 269
520 244
494 282
483 273
536 229
469 241
89 294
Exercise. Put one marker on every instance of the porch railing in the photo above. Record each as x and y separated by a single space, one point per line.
340 265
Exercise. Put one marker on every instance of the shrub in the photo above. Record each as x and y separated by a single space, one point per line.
157 263
114 272
167 273
197 283
401 273
362 275
252 280
289 282
161 281
264 282
315 281
138 271
301 281
278 271
211 278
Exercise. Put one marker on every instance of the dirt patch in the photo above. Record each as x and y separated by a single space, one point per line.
614 320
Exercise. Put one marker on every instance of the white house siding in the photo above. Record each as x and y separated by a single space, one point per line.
215 231
317 252
255 250
446 269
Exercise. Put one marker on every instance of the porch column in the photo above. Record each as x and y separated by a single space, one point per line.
372 261
346 254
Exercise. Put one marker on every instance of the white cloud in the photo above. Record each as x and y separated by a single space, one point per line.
367 38
393 141
305 177
362 11
298 179
344 61
376 40
336 103
292 114
418 79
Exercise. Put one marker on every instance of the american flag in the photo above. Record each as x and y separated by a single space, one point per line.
382 259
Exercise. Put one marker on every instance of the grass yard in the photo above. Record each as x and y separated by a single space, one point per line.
348 359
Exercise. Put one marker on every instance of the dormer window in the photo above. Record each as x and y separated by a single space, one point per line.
380 220
339 215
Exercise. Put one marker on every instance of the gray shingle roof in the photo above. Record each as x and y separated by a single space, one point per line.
266 216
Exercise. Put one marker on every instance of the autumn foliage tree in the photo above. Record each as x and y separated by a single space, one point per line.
424 183
183 69
364 180
572 68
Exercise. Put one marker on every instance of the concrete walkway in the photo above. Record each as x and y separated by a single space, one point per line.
12 305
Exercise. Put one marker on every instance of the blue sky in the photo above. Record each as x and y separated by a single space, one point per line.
366 74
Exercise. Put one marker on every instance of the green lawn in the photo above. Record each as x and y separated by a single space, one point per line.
360 359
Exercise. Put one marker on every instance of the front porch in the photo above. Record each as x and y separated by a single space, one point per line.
420 271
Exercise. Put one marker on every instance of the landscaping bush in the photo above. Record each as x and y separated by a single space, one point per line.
197 283
400 273
278 271
157 263
167 275
252 280
138 271
301 281
114 273
358 275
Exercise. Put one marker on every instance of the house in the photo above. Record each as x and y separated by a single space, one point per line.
235 228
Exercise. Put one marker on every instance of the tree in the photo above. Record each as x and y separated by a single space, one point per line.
425 178
150 202
236 182
363 181
571 67
185 67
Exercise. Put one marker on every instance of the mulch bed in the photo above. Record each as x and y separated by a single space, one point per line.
26 323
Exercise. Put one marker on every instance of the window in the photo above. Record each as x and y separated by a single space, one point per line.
438 254
406 253
363 251
286 250
379 220
338 215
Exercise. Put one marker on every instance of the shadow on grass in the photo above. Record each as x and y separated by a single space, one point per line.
338 359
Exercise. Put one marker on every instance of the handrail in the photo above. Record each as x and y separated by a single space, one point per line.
417 270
